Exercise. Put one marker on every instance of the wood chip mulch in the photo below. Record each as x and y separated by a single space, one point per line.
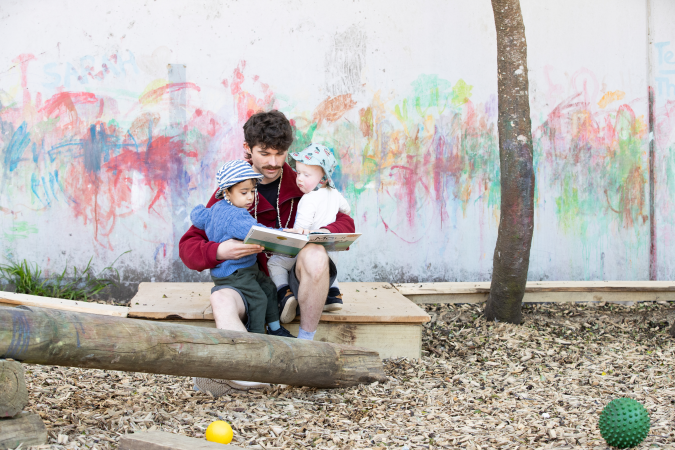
478 385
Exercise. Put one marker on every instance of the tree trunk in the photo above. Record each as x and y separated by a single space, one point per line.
512 252
672 330
63 338
13 393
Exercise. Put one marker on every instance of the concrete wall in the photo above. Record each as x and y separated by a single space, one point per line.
115 117
662 79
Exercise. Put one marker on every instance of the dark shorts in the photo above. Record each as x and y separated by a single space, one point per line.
243 298
294 284
257 292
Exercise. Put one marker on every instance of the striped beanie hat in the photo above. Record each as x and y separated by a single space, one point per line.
233 172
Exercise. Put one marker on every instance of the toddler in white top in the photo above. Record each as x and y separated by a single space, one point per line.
316 209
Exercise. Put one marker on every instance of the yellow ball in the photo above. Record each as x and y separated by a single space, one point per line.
220 432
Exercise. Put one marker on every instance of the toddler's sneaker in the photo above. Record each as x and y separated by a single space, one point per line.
218 388
334 300
288 305
281 332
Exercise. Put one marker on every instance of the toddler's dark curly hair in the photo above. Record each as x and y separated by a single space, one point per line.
269 130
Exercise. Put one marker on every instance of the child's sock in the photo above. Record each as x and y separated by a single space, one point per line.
306 335
274 326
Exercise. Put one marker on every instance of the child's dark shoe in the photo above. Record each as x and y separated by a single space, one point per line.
288 306
333 301
281 332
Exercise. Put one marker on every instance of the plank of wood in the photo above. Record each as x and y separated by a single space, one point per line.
51 337
551 296
161 440
447 298
172 301
375 303
13 299
389 340
536 286
363 303
13 392
26 429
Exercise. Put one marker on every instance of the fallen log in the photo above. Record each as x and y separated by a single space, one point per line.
64 338
13 392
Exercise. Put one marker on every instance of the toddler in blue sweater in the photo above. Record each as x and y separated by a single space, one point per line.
228 219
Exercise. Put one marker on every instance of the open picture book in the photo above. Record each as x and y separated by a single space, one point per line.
290 244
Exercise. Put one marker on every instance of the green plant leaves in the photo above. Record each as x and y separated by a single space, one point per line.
81 285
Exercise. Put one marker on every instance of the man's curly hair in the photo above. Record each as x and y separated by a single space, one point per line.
269 130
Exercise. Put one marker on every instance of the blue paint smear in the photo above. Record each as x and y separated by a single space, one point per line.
17 145
35 153
20 335
34 184
93 150
159 247
44 187
54 180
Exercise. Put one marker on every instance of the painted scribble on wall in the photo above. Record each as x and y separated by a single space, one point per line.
99 158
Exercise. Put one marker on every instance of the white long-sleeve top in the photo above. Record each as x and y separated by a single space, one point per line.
319 208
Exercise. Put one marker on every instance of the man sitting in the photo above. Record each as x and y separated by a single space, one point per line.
268 136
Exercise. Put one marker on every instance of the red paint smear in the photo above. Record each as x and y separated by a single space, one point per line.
410 179
206 122
159 164
67 101
238 78
23 60
100 109
386 228
156 94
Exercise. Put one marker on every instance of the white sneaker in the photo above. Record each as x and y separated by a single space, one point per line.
219 388
288 308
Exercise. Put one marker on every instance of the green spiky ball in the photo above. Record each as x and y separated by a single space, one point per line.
624 423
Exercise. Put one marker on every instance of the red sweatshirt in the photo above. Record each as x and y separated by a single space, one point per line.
198 253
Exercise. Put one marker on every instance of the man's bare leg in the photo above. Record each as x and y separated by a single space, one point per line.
228 310
312 272
229 313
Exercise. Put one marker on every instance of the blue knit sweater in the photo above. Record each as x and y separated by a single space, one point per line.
221 222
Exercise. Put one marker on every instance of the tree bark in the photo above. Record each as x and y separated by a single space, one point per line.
64 338
672 330
13 393
516 224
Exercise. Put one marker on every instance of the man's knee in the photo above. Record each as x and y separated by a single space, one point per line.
228 301
313 260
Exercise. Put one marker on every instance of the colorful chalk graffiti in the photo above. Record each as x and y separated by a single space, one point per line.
122 164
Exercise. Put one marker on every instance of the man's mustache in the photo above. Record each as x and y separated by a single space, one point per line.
272 167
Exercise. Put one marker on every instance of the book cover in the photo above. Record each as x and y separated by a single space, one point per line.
274 241
290 244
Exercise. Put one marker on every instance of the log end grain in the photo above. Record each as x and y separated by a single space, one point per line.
13 393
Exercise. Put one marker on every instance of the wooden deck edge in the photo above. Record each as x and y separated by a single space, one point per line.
14 299
536 287
550 297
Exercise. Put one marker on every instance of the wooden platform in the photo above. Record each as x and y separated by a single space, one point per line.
543 291
13 299
374 316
